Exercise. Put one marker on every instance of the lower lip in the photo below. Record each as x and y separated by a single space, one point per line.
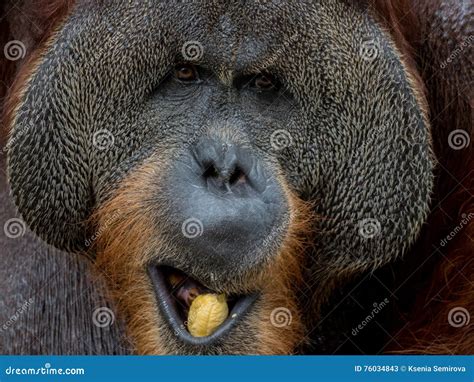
167 308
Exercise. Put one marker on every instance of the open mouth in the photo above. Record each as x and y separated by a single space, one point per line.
196 314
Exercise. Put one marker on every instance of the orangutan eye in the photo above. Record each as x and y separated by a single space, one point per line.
186 73
265 82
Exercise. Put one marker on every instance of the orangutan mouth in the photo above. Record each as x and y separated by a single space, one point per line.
196 314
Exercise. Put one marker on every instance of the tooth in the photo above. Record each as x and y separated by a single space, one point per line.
206 313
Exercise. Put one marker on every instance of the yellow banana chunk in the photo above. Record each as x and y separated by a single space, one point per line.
206 313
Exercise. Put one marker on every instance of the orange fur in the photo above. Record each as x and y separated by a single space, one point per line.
126 247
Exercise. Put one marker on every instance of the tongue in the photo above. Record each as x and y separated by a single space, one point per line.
206 310
187 291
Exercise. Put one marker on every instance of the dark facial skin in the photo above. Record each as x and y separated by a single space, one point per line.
220 176
236 108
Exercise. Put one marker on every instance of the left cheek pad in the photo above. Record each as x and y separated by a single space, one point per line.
368 162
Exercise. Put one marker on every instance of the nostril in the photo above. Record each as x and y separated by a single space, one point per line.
237 177
224 177
228 169
211 171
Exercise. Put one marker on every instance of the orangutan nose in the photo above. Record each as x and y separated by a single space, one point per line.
233 197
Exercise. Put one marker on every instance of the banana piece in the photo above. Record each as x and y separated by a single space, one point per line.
206 313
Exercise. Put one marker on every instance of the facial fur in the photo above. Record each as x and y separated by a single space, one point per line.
130 240
357 149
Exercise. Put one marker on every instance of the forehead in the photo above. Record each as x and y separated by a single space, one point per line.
231 35
240 35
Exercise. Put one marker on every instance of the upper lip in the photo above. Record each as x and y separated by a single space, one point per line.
168 308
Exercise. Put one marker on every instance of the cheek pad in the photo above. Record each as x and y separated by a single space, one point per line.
375 164
48 164
68 132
